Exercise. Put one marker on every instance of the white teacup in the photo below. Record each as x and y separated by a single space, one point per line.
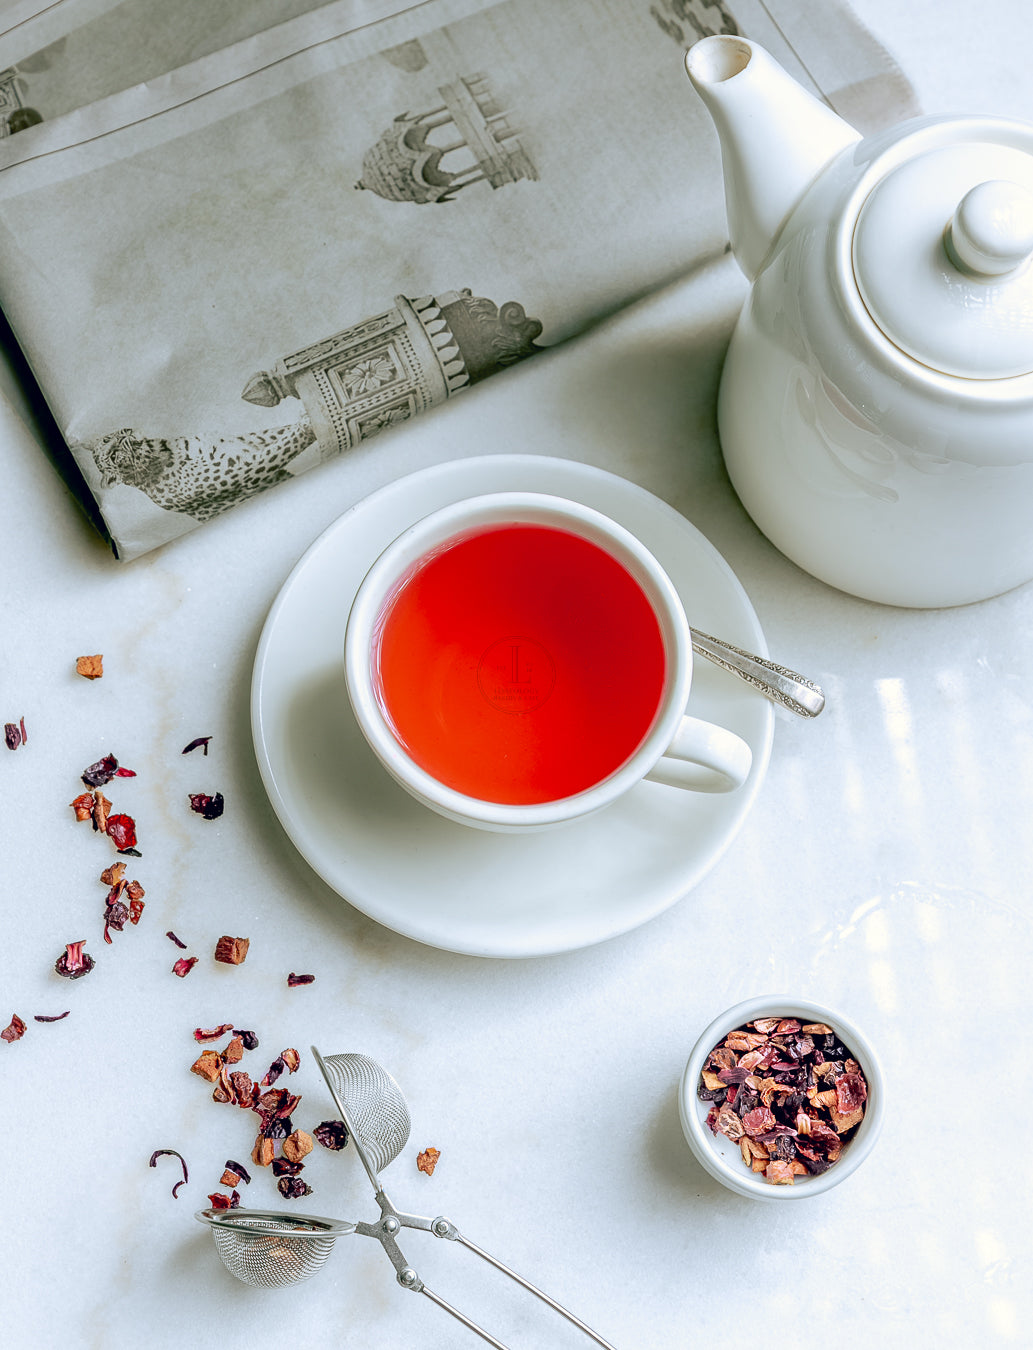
518 661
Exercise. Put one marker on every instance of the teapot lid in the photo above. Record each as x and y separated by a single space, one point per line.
942 252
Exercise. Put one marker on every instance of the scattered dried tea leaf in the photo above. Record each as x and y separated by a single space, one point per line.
74 963
208 807
231 951
428 1160
56 1017
213 1033
101 773
121 829
90 667
296 1146
207 1065
184 966
171 1153
293 980
15 1030
293 1188
198 741
172 938
332 1134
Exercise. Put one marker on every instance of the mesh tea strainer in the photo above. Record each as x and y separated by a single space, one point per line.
268 1249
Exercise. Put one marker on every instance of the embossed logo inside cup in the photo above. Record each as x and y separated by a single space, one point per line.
519 663
516 674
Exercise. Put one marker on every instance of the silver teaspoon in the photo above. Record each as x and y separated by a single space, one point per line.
780 685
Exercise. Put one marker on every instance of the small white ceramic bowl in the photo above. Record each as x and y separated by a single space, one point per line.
720 1155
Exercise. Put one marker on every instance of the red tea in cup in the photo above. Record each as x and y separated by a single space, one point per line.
519 663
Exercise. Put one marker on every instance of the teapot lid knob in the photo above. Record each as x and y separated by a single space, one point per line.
991 233
942 252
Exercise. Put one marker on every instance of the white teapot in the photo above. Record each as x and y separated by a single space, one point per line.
876 403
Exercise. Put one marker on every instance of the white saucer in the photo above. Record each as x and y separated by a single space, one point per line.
447 885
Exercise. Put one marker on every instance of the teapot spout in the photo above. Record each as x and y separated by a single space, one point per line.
776 138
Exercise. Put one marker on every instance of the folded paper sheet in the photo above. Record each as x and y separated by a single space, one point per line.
257 255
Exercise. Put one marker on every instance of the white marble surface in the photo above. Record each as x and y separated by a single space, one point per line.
884 870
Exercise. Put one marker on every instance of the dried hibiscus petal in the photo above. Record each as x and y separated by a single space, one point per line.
208 807
332 1134
74 963
197 741
14 1031
122 831
184 966
428 1160
171 1153
102 772
851 1092
213 1034
56 1017
220 1201
294 980
172 938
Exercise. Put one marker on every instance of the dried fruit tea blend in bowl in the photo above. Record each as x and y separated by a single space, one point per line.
781 1098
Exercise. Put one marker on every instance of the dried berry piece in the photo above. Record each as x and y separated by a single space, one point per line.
184 966
332 1134
293 980
200 740
57 1017
248 1037
231 951
15 1030
90 667
13 734
241 1171
293 1188
428 1160
209 808
171 1153
74 963
283 1167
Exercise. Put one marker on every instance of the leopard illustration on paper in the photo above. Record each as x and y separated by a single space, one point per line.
194 475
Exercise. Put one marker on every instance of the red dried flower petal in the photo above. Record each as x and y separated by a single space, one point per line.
184 965
135 910
14 1031
172 937
100 773
122 830
199 740
758 1121
293 979
57 1017
213 1034
851 1092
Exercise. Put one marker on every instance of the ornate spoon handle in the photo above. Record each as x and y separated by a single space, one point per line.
780 685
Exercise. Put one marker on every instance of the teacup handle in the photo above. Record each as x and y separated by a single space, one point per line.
703 757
